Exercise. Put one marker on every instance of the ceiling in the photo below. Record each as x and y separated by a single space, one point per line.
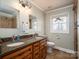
47 5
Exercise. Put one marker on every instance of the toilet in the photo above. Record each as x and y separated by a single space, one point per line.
50 46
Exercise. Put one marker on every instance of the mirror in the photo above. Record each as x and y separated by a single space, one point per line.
8 17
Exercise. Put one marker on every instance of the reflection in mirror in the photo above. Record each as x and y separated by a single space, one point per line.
30 22
8 18
33 23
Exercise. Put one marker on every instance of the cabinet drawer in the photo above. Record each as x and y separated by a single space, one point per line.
28 57
37 57
43 44
28 49
36 53
24 56
19 53
36 46
43 41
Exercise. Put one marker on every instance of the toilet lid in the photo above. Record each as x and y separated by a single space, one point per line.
50 43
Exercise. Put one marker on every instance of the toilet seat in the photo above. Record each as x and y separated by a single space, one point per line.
50 43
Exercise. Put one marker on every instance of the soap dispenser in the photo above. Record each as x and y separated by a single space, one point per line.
17 37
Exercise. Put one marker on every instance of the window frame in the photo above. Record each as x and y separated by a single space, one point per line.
59 15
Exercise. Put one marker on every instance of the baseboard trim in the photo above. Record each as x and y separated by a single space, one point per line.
65 50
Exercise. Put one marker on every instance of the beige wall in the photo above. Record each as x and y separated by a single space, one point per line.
66 39
23 15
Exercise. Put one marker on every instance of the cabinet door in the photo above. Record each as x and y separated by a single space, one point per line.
24 56
29 57
43 49
43 53
36 50
36 55
36 46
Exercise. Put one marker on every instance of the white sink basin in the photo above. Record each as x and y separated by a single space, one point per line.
15 44
38 37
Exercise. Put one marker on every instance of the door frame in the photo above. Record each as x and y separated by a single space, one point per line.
75 2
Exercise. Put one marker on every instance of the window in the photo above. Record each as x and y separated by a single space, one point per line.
59 24
35 26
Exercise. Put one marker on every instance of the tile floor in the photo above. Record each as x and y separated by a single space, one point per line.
60 55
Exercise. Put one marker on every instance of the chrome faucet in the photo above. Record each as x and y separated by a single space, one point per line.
13 38
34 35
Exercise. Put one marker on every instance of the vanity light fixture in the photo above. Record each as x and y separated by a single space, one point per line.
25 3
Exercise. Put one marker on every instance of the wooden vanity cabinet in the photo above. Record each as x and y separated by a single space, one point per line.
21 54
37 50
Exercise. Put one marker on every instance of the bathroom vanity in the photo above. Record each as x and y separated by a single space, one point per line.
33 48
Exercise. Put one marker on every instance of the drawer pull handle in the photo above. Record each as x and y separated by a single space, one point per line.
36 45
29 50
21 53
36 53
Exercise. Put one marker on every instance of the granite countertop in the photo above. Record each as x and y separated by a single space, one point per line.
5 50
